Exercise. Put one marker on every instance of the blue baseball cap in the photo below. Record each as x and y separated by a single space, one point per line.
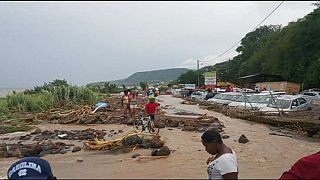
30 168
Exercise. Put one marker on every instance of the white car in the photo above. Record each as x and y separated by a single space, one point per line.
288 103
228 97
215 98
312 95
259 100
239 101
199 95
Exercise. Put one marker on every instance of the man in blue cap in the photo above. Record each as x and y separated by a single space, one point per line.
30 168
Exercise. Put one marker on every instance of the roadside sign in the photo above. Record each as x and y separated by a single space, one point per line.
210 78
190 86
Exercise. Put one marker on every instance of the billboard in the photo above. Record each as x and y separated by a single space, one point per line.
210 78
190 86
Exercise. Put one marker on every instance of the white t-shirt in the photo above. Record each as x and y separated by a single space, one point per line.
226 163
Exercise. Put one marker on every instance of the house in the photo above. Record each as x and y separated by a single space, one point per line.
288 87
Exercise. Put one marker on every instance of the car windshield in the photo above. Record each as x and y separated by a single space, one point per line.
235 97
196 93
265 100
255 98
226 97
217 96
281 103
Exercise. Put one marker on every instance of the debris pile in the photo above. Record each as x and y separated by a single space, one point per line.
127 143
88 134
200 124
37 149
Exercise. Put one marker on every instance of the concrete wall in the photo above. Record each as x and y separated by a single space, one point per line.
288 87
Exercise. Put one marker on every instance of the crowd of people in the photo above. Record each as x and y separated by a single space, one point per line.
129 102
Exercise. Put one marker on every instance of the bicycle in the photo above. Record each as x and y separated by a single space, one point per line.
140 125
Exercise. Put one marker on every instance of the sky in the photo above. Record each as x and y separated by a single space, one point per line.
86 42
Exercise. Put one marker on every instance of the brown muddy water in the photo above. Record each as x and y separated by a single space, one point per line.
265 156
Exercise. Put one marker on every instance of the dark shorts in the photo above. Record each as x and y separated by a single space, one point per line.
151 117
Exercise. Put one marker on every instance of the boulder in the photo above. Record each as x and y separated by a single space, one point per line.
152 143
225 137
243 139
130 122
36 131
76 149
135 155
132 140
188 128
164 151
79 160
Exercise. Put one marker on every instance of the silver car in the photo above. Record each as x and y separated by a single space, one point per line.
288 103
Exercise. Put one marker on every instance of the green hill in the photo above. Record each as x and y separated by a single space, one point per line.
166 75
292 51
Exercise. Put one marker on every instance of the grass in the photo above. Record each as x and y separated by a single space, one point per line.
43 98
11 129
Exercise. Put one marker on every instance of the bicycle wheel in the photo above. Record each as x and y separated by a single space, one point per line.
152 128
138 126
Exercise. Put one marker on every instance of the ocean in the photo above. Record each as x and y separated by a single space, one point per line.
6 91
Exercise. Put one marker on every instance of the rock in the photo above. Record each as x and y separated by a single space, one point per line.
130 122
159 124
132 140
152 143
243 139
135 155
174 124
63 151
188 128
170 129
43 153
225 137
79 160
36 131
164 151
76 149
60 144
316 136
24 138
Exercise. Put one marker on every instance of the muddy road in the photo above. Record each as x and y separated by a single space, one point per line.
265 156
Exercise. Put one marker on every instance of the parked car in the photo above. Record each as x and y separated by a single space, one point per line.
312 95
199 95
210 95
228 97
215 98
239 101
288 103
259 100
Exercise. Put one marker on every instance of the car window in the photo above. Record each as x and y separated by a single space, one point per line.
302 101
309 94
295 103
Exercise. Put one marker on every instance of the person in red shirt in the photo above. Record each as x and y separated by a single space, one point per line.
306 168
152 107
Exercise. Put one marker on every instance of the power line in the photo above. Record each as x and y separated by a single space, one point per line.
250 31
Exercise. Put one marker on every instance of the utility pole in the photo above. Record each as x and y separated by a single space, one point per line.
198 72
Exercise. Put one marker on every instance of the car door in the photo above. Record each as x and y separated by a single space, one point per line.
303 104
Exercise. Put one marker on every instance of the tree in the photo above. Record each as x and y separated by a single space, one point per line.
191 77
143 85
